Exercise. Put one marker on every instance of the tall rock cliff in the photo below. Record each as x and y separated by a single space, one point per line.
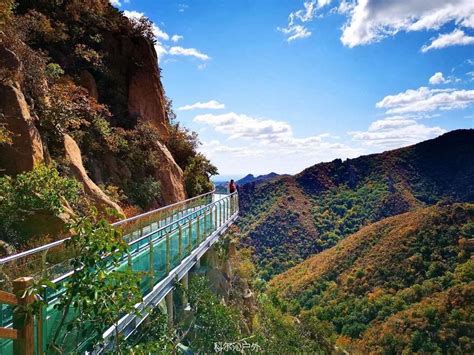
91 45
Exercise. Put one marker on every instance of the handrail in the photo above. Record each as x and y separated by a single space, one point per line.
179 220
32 251
133 242
160 209
61 241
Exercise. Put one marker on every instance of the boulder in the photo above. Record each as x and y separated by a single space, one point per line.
26 149
98 197
171 177
146 98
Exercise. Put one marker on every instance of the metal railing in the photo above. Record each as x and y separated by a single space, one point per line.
155 249
52 258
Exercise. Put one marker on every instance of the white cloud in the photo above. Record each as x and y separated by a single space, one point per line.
118 3
273 139
243 126
161 46
209 105
404 111
189 52
216 147
182 7
438 78
370 21
455 38
426 100
295 32
161 51
176 38
394 132
262 145
159 34
296 28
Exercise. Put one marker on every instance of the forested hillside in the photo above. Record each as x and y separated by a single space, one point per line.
404 284
291 218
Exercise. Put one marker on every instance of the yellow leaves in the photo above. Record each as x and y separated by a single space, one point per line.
5 12
5 135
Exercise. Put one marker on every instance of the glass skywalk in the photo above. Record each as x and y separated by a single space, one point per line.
160 243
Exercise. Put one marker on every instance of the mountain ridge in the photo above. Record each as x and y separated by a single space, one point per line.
251 178
289 218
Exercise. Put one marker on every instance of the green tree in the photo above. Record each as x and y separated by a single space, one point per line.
145 192
197 175
98 293
41 190
213 321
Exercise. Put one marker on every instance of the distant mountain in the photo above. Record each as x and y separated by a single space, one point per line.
405 284
251 178
289 218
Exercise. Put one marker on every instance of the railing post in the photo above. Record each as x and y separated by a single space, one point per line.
129 260
190 244
151 260
169 308
227 208
185 283
180 242
210 221
198 230
23 321
44 262
216 218
168 253
221 205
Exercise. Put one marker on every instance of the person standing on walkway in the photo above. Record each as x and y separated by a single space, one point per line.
232 187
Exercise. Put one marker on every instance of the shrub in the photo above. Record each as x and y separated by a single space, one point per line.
144 193
140 152
40 190
54 71
33 81
88 56
182 144
114 192
71 110
197 175
142 27
214 322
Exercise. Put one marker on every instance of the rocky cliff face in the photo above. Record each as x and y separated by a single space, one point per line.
146 97
126 79
137 62
26 149
74 161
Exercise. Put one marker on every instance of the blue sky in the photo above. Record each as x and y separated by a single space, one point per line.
281 85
